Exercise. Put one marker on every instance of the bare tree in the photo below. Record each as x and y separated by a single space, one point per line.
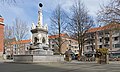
58 25
20 29
21 32
8 33
110 13
8 37
8 1
11 2
15 33
80 22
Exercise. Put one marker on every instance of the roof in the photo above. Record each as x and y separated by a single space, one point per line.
70 39
109 26
56 36
21 42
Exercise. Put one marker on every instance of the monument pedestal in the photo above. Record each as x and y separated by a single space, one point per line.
33 59
38 55
54 58
42 52
1 55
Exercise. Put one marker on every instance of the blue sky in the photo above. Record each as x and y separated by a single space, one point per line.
27 10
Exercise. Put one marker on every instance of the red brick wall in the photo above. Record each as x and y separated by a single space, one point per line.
1 35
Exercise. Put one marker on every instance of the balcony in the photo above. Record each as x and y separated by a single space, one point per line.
115 34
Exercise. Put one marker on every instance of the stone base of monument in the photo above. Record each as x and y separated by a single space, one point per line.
32 58
23 58
54 58
42 52
1 53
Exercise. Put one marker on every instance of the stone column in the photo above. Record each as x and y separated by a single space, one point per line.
40 20
96 43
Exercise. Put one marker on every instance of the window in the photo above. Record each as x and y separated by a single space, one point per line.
69 41
106 45
88 42
117 45
88 47
76 47
75 42
115 38
69 44
100 46
100 40
106 32
72 46
107 39
75 50
52 45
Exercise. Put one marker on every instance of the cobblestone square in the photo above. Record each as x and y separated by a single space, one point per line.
60 67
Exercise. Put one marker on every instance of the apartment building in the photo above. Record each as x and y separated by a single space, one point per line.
107 36
21 47
17 47
68 43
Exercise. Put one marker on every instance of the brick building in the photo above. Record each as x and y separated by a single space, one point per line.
1 35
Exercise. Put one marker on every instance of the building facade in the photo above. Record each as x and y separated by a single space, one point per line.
17 48
107 36
67 43
1 35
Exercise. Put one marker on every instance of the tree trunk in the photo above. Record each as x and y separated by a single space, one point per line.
103 40
110 40
96 39
59 29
